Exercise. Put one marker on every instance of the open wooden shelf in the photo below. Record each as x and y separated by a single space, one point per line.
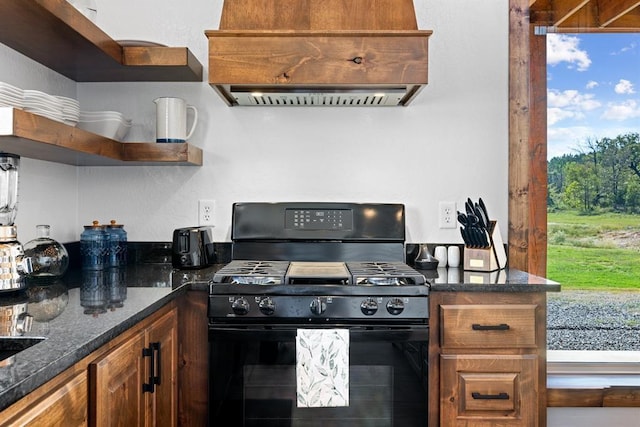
57 35
33 136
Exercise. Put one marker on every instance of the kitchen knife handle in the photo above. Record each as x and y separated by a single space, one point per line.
500 327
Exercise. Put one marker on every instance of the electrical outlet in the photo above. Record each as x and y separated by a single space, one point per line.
205 212
447 215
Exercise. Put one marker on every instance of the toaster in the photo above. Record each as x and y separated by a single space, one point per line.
192 248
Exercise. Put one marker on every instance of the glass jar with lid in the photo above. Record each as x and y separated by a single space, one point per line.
117 244
94 246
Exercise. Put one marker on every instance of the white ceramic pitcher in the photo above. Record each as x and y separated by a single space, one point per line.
171 119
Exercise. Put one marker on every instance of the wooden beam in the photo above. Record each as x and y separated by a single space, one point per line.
519 163
563 9
610 11
537 227
553 13
586 16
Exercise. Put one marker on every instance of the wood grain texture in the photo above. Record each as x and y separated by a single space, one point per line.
318 60
69 398
537 238
463 375
457 326
489 360
116 379
162 406
580 16
193 362
609 397
318 44
318 15
37 137
57 35
519 134
116 385
61 405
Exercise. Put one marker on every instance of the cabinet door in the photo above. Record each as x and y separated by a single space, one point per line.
162 403
116 385
488 390
64 406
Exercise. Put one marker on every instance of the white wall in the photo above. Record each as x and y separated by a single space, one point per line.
47 192
449 144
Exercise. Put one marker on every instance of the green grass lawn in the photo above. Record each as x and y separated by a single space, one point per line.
579 258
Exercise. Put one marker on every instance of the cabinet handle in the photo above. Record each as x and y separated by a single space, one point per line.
500 327
153 352
499 396
155 346
150 386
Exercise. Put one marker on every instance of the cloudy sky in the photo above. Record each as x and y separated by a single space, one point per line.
593 84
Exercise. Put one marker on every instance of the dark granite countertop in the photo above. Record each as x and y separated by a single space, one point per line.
506 280
76 316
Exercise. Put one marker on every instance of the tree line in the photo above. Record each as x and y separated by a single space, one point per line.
603 174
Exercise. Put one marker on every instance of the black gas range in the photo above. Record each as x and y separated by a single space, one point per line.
331 271
318 263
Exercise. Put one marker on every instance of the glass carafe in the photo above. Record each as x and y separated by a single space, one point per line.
49 258
9 165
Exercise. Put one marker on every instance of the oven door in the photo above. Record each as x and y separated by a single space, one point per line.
253 377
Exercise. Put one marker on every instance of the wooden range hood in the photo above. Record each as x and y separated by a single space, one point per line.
318 53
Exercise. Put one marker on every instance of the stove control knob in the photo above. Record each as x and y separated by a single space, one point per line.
240 306
318 306
267 306
369 307
395 306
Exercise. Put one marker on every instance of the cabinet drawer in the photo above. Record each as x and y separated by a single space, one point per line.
488 326
488 388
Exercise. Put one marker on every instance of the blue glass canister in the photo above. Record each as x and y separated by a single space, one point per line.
117 245
94 247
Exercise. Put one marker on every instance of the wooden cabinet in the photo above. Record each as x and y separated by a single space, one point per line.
107 387
487 359
55 34
60 403
116 385
135 383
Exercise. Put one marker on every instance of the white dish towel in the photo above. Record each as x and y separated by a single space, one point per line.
322 368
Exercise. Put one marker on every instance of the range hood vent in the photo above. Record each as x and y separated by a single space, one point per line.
318 53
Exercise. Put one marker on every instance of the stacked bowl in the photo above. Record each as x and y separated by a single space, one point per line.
110 124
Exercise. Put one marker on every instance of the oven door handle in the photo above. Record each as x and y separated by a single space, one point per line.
288 332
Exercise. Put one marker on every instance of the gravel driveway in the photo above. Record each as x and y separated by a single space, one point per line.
590 320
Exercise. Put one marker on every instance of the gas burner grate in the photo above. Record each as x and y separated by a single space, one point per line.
376 273
252 272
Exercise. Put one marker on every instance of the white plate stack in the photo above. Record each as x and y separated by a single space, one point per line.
110 124
70 110
43 104
10 96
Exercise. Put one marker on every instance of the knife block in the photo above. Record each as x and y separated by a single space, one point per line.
487 259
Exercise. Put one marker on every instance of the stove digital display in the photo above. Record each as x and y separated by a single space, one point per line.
319 219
